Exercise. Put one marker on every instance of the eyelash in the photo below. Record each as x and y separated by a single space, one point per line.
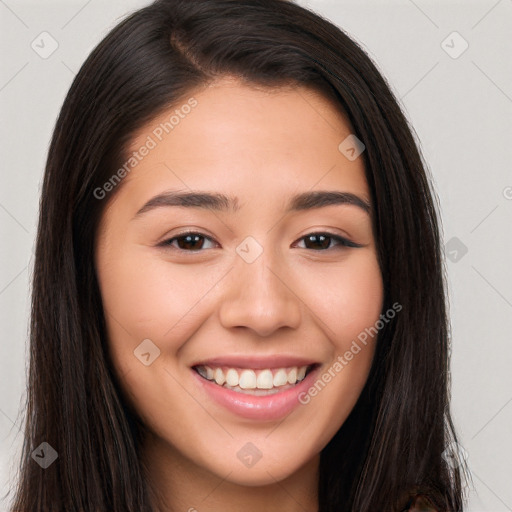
342 242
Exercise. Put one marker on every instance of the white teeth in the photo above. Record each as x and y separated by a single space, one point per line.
265 380
219 376
232 377
280 378
292 376
253 379
247 380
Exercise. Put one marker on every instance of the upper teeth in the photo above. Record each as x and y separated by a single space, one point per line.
253 379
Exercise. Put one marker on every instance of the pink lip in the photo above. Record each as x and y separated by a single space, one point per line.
264 408
255 362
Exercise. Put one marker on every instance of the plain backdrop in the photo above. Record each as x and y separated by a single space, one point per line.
449 64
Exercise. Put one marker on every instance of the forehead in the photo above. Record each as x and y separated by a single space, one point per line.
246 140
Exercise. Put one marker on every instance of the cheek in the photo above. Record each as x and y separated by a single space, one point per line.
349 304
347 298
145 298
149 297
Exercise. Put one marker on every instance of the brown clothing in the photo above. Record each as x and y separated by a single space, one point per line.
421 504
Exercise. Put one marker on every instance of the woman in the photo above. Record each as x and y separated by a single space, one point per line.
238 297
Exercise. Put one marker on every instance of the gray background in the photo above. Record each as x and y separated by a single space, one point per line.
460 105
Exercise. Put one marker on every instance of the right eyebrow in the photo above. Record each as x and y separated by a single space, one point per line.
205 200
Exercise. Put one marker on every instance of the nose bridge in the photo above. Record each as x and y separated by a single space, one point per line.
258 295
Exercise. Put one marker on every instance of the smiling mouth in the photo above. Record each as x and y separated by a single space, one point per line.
255 382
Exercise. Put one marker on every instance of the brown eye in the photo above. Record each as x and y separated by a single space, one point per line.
322 241
317 241
189 242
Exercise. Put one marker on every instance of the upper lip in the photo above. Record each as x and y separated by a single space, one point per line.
256 362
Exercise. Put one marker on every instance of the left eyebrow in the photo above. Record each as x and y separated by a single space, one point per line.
320 199
221 202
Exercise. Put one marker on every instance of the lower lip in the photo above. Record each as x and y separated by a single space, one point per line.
264 408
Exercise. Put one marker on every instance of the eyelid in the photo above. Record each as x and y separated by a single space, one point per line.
166 242
343 241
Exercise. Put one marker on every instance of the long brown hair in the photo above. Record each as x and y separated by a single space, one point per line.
393 443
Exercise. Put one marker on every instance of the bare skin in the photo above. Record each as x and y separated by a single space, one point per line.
298 297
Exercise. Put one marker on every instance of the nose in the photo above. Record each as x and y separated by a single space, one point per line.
260 297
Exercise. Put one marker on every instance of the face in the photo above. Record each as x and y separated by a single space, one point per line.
233 319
